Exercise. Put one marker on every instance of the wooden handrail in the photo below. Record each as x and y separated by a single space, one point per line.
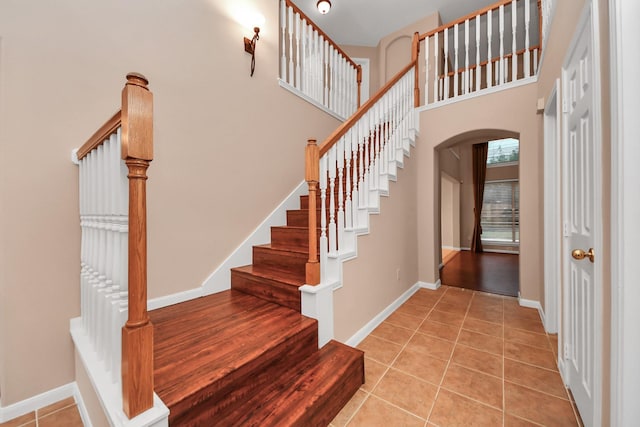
347 124
100 136
322 33
472 15
137 333
415 52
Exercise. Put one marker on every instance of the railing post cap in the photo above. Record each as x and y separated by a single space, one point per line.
137 79
311 141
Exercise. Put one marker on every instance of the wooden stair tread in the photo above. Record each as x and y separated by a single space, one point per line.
308 393
198 348
294 251
269 274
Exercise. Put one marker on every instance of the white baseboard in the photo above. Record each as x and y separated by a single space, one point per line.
43 399
380 317
532 304
220 279
432 286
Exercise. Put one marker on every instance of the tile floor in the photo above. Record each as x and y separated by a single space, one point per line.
455 357
60 414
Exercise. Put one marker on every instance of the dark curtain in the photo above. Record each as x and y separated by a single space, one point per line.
479 176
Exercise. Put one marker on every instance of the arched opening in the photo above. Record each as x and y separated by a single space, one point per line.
496 268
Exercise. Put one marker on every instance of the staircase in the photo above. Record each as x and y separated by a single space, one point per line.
247 356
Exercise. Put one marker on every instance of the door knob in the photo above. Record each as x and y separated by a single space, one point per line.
580 254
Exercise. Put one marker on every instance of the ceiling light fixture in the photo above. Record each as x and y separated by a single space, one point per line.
324 6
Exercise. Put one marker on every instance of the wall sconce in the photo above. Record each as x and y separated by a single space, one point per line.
324 6
250 47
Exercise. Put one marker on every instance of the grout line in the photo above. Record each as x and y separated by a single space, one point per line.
537 390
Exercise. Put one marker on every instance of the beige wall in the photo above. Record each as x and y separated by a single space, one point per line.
89 396
513 111
219 135
370 282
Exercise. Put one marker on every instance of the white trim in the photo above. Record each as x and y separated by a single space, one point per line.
552 208
451 248
432 286
310 100
500 251
108 392
41 400
380 317
74 157
493 89
625 211
82 408
532 304
220 279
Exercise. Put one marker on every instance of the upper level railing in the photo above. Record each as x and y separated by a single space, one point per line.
348 165
113 164
491 47
313 65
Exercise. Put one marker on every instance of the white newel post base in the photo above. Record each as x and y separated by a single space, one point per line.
317 303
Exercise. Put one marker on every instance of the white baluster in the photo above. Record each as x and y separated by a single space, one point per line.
340 216
502 64
355 198
326 73
436 69
478 68
514 47
297 35
361 187
527 57
446 64
283 29
466 57
333 230
348 215
456 67
426 71
304 70
290 28
323 218
317 84
489 56
332 82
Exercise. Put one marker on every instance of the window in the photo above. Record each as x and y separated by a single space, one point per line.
503 152
500 218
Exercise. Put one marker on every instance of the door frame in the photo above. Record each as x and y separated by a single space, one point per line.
589 16
625 227
552 213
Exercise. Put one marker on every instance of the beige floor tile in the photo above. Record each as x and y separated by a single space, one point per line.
512 311
477 360
481 342
475 385
526 337
538 407
349 409
535 378
42 412
373 371
453 410
21 420
451 308
453 319
416 310
493 316
380 349
439 330
407 392
531 355
425 298
487 328
405 321
422 366
68 417
513 421
378 413
431 346
393 333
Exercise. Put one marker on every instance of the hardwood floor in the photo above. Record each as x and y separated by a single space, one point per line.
487 272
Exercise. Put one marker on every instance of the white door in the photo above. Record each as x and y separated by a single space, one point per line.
582 225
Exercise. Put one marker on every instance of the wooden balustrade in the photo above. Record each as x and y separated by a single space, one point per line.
137 334
314 65
355 160
454 69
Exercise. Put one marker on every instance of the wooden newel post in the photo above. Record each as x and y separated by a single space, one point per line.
359 80
137 333
414 57
312 176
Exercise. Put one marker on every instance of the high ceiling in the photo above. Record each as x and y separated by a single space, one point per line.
365 22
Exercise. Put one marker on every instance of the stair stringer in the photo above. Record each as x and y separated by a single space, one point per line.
317 300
